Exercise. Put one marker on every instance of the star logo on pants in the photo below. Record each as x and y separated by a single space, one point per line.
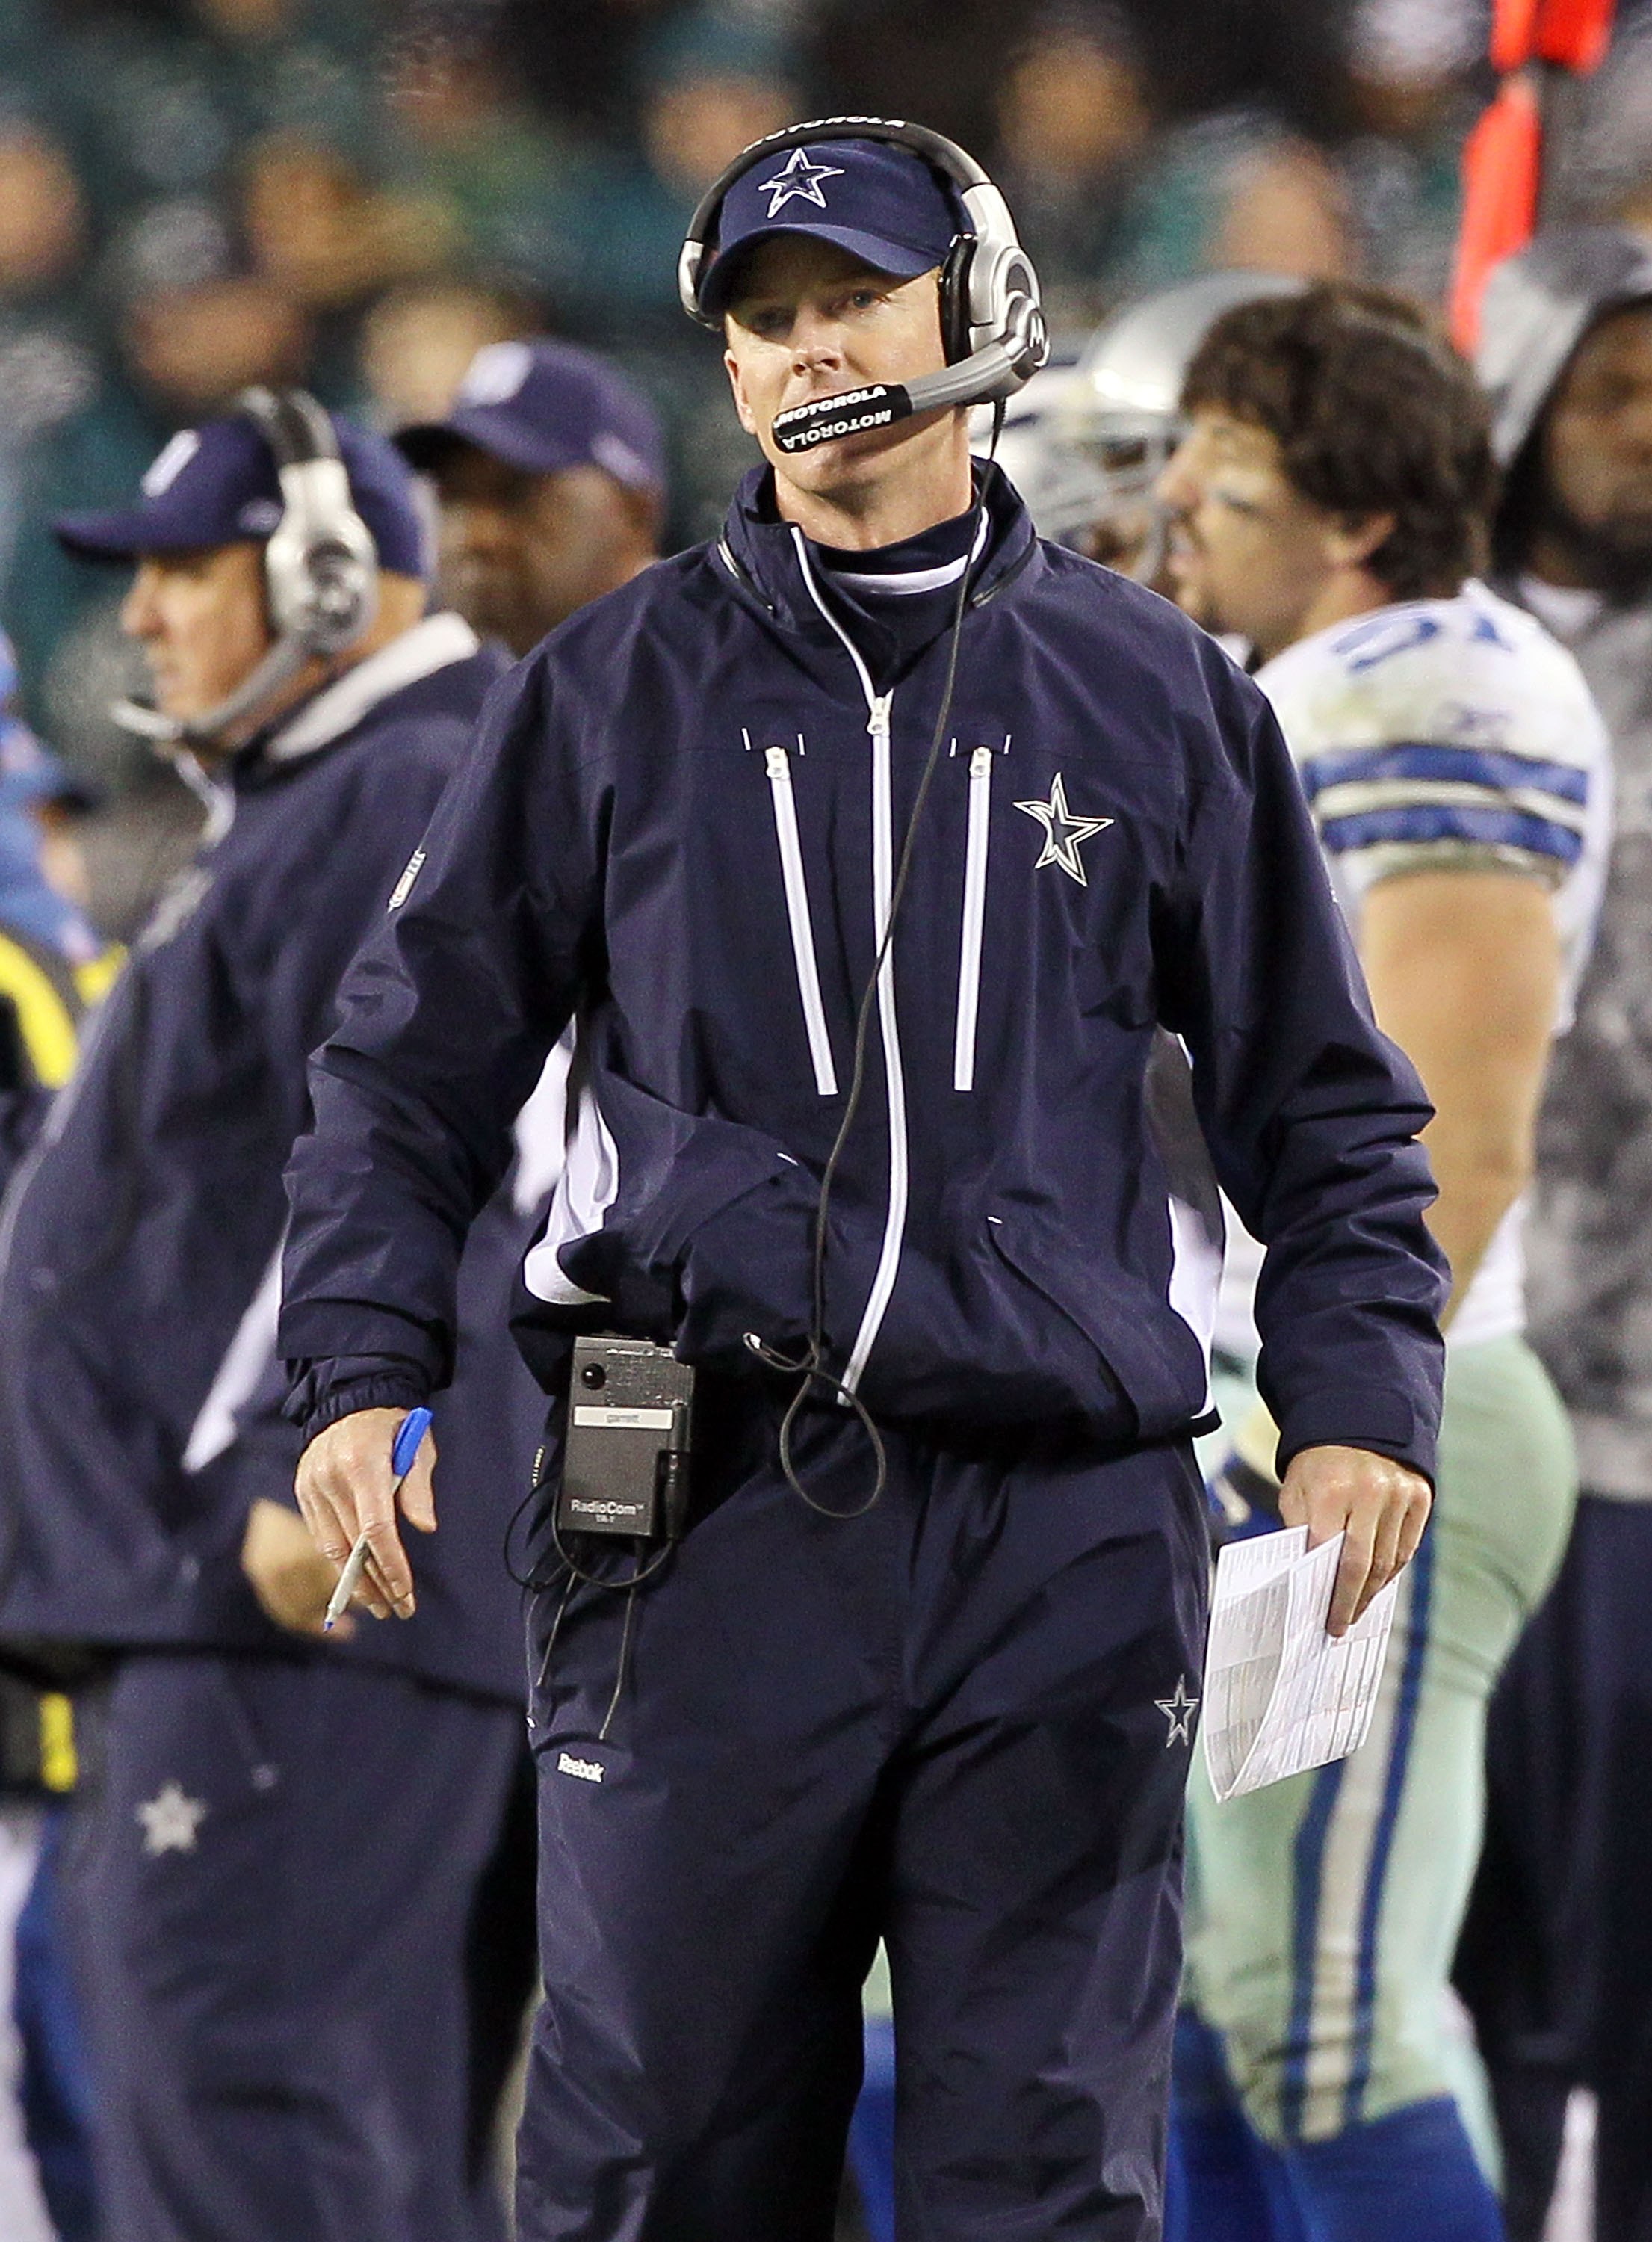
1063 833
799 177
1178 1711
171 1820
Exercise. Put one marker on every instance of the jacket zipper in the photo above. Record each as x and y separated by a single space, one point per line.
778 765
883 875
969 955
879 708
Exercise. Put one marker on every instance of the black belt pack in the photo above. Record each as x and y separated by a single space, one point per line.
626 1459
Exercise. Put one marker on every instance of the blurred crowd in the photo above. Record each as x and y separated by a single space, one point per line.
196 194
199 195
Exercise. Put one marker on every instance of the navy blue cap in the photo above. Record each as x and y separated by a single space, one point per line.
542 407
217 485
881 202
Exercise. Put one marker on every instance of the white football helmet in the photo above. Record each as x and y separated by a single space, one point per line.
1105 436
1059 492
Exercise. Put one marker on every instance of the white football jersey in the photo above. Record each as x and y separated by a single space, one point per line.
1443 735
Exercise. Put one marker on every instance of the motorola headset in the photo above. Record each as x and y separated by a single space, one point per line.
320 567
993 323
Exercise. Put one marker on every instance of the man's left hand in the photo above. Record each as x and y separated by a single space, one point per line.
1381 1505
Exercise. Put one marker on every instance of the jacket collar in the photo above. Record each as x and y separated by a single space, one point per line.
759 550
431 645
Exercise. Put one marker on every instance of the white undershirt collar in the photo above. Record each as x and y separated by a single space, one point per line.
903 583
430 646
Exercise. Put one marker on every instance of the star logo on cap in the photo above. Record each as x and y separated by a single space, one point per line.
495 374
1063 833
801 179
168 464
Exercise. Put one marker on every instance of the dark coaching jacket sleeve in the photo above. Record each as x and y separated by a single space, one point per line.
345 831
1310 1112
444 1024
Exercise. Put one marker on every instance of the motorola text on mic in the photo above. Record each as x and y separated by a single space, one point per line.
985 376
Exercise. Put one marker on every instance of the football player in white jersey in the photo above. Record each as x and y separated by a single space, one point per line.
1327 503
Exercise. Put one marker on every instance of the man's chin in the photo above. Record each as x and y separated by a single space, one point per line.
1623 549
1188 589
491 613
1613 555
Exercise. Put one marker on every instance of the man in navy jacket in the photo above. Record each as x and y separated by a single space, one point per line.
283 1842
953 1712
550 472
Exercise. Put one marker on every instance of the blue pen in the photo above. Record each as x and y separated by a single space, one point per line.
409 1435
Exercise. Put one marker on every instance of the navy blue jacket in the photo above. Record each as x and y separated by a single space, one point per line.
681 824
138 1239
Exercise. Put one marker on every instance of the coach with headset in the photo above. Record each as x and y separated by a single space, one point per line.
281 1841
868 847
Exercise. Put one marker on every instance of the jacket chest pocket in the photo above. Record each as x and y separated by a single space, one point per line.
1052 902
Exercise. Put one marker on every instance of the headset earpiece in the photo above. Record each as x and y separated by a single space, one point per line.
957 320
321 566
1005 305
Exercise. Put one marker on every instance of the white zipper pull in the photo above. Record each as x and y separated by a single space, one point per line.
878 722
969 955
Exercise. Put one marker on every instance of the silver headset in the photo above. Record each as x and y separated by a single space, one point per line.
320 567
992 317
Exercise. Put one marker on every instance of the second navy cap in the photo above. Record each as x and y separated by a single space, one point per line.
218 485
544 407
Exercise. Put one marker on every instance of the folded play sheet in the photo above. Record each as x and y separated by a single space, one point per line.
1281 1694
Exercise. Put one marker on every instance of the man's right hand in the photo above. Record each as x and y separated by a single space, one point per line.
346 1485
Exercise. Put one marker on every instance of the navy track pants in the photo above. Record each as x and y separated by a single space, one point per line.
271 1891
940 1722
